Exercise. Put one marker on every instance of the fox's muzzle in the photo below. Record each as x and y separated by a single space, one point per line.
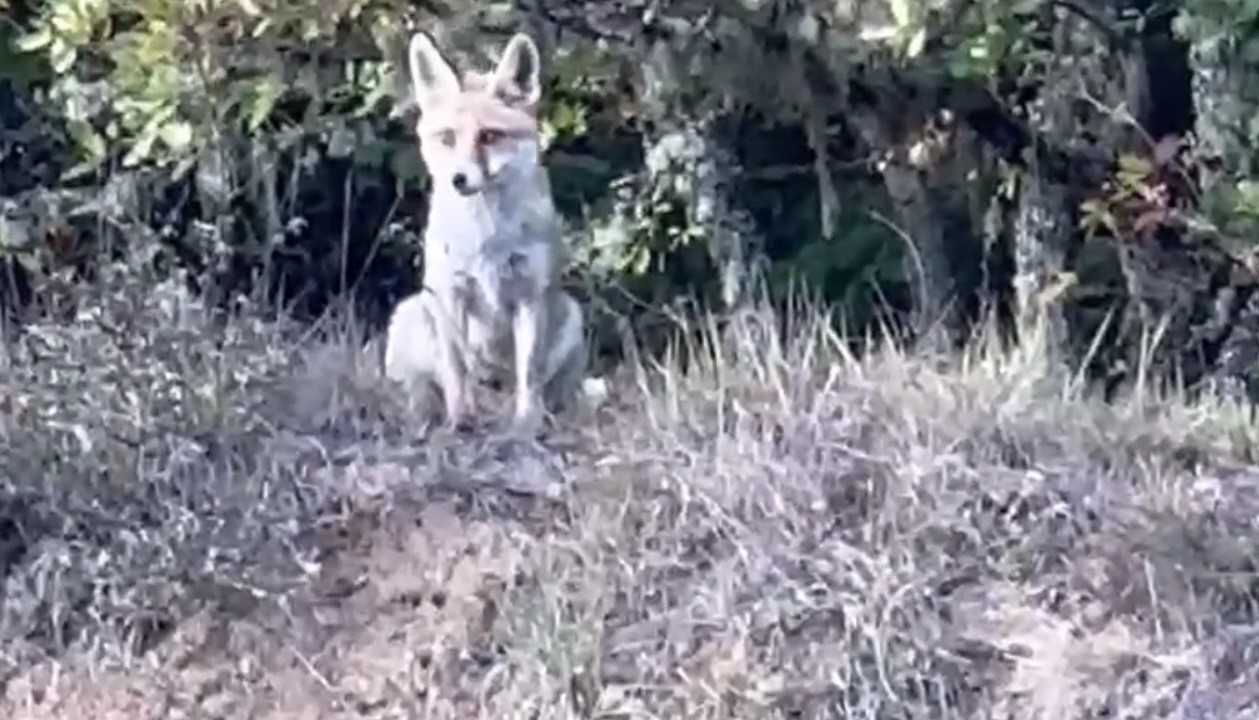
460 181
470 179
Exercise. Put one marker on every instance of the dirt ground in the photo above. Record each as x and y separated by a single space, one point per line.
394 627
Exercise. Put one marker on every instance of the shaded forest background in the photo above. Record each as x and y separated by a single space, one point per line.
934 164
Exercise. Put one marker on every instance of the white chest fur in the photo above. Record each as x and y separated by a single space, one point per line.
487 254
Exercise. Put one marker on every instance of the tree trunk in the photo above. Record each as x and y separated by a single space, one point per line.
1043 228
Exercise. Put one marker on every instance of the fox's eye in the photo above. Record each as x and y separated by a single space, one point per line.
446 137
489 137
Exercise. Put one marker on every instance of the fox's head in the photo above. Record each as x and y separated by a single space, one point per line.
481 129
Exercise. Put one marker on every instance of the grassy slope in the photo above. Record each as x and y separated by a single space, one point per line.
778 528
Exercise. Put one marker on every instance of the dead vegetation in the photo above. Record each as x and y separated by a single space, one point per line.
226 518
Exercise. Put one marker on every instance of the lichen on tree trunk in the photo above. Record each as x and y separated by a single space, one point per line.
1045 232
1042 229
687 159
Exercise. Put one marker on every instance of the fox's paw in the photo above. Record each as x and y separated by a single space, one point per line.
527 421
593 393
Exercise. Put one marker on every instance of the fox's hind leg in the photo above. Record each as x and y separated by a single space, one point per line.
420 353
565 359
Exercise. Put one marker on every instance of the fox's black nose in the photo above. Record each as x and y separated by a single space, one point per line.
460 181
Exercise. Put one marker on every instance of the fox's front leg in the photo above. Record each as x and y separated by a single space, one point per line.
452 379
526 331
451 368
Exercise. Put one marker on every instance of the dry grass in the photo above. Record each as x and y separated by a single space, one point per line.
776 530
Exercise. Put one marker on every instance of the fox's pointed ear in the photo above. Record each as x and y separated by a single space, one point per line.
431 73
517 79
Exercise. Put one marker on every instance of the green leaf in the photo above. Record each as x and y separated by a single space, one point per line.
901 12
176 135
883 33
181 169
1134 165
309 29
143 147
14 235
917 42
261 27
62 57
261 100
33 41
77 171
639 260
30 262
960 66
88 141
406 165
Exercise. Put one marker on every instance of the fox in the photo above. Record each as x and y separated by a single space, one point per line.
490 305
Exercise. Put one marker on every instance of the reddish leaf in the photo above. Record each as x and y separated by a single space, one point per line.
1149 221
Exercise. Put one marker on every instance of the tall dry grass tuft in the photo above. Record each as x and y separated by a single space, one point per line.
157 459
778 527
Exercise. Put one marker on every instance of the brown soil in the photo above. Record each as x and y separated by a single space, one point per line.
396 621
